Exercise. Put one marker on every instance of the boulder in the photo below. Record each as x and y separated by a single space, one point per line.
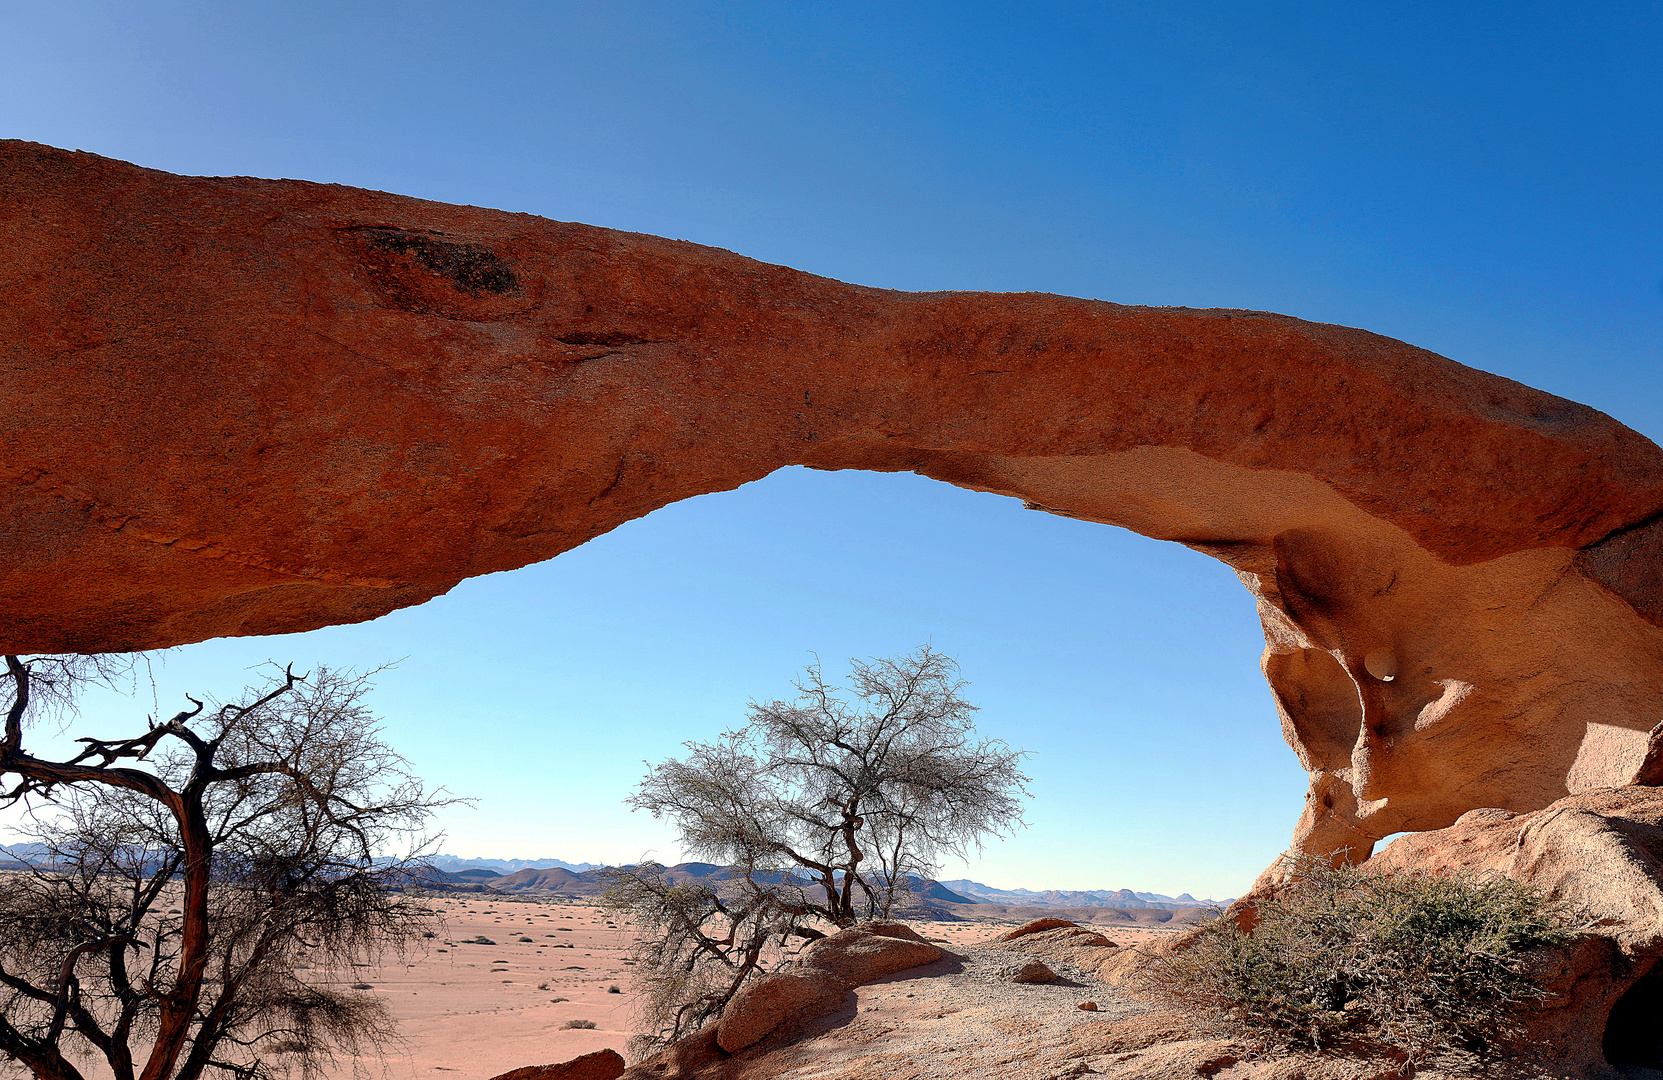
236 406
1060 941
601 1065
863 953
1032 972
770 1001
1034 927
1602 851
697 1055
825 971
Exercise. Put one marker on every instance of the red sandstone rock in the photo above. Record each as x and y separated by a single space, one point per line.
815 986
237 406
1034 971
864 952
1034 927
601 1065
1066 943
1603 852
769 1002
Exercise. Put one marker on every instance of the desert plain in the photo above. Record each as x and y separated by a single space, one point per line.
474 1011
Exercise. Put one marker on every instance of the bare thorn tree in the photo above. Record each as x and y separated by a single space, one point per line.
827 808
194 872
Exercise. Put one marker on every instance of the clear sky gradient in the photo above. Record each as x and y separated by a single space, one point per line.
1484 180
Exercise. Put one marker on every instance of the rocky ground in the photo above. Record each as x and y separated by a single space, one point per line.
474 1011
963 1017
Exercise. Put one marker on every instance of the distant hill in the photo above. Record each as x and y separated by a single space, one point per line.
454 863
1076 898
18 851
1086 916
939 892
13 856
928 899
962 898
555 880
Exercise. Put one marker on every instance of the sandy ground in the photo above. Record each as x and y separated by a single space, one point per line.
473 1011
478 1010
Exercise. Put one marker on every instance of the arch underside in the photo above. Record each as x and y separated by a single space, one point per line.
239 407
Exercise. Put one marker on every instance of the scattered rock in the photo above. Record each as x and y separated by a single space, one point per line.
1032 972
1088 1006
601 1065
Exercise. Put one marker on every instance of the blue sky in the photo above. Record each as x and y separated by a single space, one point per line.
1482 180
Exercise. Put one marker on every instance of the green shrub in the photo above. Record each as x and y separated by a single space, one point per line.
1432 966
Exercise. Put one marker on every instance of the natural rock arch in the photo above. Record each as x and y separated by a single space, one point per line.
238 406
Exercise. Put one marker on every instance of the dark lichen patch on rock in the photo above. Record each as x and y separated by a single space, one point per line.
472 268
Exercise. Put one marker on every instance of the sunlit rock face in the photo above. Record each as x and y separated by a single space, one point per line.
241 406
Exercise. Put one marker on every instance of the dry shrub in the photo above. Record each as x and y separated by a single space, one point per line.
698 944
1431 966
578 1025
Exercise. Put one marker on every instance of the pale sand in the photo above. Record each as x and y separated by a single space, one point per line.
477 1010
474 1011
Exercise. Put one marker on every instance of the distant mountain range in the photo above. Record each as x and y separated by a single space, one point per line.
583 879
928 899
554 875
14 854
1118 898
508 866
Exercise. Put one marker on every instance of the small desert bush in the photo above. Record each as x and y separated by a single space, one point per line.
573 1025
1431 966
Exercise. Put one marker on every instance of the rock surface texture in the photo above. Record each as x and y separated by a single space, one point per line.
826 970
1603 852
959 1018
963 1017
601 1065
237 406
